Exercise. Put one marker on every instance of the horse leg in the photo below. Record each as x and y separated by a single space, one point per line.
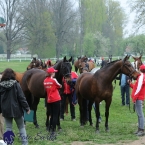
97 116
108 103
89 110
81 110
34 107
85 111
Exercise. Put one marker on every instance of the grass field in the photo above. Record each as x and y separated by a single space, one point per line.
122 122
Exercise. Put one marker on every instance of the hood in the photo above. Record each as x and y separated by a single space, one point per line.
7 84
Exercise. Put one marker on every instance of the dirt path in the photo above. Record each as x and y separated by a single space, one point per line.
141 141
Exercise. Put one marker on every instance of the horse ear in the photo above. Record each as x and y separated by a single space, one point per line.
140 57
70 59
126 57
64 59
133 57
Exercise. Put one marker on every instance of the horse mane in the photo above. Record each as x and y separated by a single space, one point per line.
111 62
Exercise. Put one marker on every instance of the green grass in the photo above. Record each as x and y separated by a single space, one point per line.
122 122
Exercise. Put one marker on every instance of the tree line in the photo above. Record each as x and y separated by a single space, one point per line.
54 28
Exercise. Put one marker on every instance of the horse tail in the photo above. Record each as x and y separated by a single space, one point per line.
24 85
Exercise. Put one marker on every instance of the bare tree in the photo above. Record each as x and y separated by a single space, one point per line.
10 10
38 30
138 6
63 15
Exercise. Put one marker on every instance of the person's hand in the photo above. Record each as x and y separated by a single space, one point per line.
28 112
129 81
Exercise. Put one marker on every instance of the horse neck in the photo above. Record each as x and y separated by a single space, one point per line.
109 72
58 75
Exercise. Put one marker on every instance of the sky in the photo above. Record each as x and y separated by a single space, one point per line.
129 29
130 15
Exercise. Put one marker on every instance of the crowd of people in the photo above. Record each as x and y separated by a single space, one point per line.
13 101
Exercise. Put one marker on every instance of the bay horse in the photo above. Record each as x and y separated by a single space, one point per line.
32 84
37 63
98 86
84 63
137 62
76 64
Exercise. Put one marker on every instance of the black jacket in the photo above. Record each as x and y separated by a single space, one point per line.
119 78
12 99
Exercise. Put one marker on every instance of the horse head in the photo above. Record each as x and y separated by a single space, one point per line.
64 67
137 62
128 69
35 63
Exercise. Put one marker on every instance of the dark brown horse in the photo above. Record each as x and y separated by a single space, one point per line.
98 86
32 84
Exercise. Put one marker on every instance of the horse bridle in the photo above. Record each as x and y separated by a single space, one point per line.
125 65
62 67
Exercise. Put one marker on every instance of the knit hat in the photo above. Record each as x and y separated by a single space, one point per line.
51 70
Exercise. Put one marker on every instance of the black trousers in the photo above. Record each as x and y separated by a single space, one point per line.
63 102
54 112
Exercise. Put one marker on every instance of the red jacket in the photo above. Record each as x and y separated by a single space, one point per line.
51 85
74 75
141 94
67 89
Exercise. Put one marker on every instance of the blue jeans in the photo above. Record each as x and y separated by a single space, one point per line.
140 114
20 124
125 91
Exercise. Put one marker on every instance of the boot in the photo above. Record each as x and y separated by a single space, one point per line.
140 132
52 136
136 132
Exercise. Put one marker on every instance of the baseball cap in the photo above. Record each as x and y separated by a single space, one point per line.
51 70
142 67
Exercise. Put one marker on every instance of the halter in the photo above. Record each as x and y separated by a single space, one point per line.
135 65
125 65
62 67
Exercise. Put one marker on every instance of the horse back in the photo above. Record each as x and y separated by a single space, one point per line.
19 76
32 82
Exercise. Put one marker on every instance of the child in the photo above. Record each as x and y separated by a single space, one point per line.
138 94
69 92
53 99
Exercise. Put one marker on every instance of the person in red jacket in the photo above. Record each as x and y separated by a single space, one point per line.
53 99
138 95
69 92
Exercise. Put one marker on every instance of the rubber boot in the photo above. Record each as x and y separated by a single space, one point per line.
136 132
140 132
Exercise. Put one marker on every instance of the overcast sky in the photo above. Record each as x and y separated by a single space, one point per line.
130 15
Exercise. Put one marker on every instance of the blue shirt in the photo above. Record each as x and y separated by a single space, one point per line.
123 80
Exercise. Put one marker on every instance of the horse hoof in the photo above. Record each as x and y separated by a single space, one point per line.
59 129
82 126
37 126
97 131
107 130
